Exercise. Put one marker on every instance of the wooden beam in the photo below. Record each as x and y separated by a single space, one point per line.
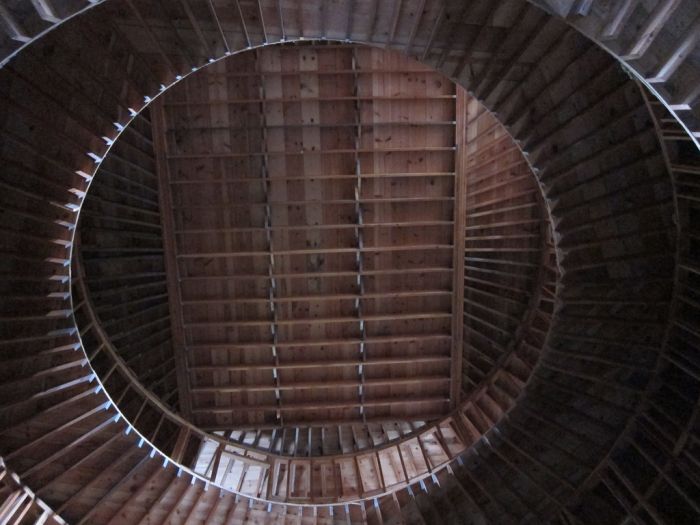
319 423
313 298
306 385
433 32
263 25
350 13
157 504
217 21
418 16
75 442
359 235
376 318
379 339
171 261
394 23
46 10
328 405
616 20
201 495
272 288
651 28
156 42
280 15
136 492
107 476
456 30
243 24
320 251
326 274
477 37
194 22
378 361
181 496
459 233
12 27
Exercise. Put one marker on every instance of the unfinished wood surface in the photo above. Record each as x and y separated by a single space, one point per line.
18 504
607 429
294 174
458 254
251 456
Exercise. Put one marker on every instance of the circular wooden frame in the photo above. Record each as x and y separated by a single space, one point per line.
617 393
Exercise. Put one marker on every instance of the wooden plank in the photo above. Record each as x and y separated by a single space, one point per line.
349 259
351 403
170 251
298 385
46 10
459 218
321 363
12 27
359 235
651 28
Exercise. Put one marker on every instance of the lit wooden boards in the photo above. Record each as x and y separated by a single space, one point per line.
121 248
342 135
504 242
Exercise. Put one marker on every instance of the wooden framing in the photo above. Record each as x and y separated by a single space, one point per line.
458 241
171 260
617 272
304 220
421 450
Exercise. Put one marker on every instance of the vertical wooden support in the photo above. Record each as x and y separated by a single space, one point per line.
459 219
169 249
359 234
272 285
180 447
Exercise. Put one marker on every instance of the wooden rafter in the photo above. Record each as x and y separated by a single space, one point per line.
271 270
309 241
171 261
359 237
459 218
493 493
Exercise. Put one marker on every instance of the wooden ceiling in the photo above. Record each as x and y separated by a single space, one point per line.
308 209
446 249
316 204
348 238
550 456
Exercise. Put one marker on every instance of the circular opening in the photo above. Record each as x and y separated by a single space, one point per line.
315 250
